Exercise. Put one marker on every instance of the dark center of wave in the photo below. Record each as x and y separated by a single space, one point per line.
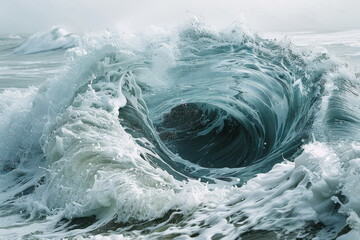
208 136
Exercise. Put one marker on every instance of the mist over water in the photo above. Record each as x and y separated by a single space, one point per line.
19 16
181 131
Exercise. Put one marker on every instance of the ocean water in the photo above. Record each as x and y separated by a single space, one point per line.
187 133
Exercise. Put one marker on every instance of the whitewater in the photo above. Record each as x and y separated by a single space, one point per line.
181 133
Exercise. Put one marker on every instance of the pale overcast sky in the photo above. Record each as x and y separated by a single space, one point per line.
29 16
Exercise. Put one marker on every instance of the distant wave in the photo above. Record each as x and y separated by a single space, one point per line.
55 39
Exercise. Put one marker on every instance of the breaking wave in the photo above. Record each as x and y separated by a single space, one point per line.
194 133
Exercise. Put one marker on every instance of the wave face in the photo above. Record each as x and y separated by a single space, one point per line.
193 133
55 39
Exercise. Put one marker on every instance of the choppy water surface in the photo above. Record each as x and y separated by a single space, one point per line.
183 134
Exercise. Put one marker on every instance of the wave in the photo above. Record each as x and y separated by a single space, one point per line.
55 39
194 133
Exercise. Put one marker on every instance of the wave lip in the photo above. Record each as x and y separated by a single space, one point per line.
55 39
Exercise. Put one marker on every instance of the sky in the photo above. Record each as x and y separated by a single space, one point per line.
29 16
